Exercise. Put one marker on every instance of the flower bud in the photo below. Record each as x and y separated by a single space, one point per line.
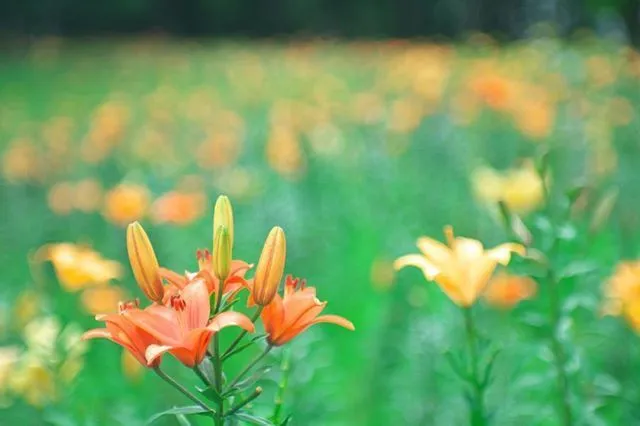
222 253
223 216
270 267
144 263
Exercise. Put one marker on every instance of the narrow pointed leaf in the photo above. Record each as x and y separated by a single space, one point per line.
251 419
187 410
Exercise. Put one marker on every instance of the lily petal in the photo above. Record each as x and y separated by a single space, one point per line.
434 250
227 319
502 253
153 352
335 319
429 270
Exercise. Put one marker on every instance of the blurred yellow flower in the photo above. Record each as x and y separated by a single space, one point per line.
26 307
622 293
382 274
131 367
35 382
101 300
505 290
60 198
41 336
462 268
126 203
283 151
87 195
69 369
9 356
21 161
78 266
521 189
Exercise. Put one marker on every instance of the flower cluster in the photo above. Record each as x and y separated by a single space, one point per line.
188 310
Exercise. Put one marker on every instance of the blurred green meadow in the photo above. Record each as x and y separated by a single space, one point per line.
355 149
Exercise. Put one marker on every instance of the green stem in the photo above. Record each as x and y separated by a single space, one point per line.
250 366
217 362
181 389
559 356
285 367
477 416
256 393
235 343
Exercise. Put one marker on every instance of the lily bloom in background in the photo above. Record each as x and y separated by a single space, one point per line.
286 317
78 266
121 330
183 328
462 268
521 189
622 293
506 290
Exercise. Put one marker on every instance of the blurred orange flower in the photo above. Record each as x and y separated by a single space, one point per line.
494 90
462 268
178 207
61 197
505 291
126 203
21 162
287 317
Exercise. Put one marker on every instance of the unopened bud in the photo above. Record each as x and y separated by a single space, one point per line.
223 216
222 253
144 262
270 267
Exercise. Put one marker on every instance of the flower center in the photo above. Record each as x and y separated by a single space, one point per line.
204 259
295 283
177 303
128 304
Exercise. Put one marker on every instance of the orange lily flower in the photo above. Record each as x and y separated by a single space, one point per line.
183 328
285 318
233 284
462 268
121 330
506 291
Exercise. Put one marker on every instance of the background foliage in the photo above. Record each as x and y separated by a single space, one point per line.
356 18
356 149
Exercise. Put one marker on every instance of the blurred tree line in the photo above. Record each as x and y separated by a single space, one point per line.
343 18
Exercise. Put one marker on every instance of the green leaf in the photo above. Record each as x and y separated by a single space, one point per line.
207 370
243 384
210 393
577 268
187 410
489 368
251 419
182 420
244 346
456 365
286 421
603 210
